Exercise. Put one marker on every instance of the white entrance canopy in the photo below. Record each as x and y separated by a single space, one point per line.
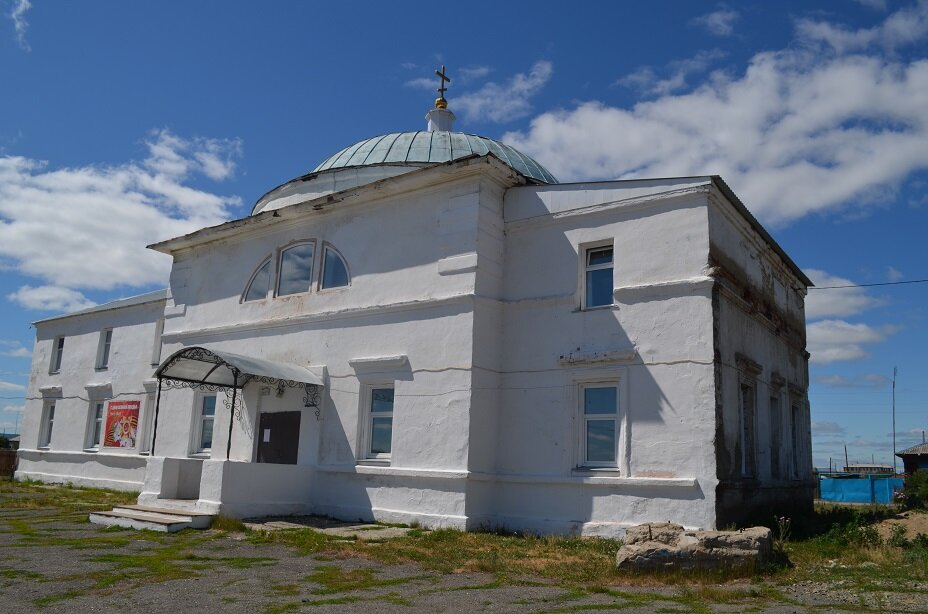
200 365
203 368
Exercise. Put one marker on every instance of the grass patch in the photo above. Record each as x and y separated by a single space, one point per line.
337 580
15 574
228 524
569 559
42 602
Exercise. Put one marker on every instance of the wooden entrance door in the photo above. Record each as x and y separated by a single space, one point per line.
279 437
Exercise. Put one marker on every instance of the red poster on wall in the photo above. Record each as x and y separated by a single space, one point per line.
122 424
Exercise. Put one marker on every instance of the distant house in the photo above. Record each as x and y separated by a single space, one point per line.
869 468
914 458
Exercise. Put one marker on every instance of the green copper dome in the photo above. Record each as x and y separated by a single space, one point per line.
415 148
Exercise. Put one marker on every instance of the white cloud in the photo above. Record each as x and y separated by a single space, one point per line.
422 83
893 274
835 302
647 82
470 73
20 25
14 349
799 132
87 227
720 22
867 380
877 5
837 340
904 27
50 298
8 386
502 103
827 428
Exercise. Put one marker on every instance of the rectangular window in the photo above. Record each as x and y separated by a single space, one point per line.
794 441
380 423
747 430
599 418
776 437
57 353
45 438
95 428
597 280
103 351
206 415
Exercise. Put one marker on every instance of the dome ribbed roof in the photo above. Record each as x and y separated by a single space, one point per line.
431 148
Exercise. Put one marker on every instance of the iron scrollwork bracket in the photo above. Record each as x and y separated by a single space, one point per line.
227 402
311 398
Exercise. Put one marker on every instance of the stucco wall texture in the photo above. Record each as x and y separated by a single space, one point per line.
465 295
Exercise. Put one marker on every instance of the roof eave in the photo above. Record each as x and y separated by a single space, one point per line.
389 186
720 184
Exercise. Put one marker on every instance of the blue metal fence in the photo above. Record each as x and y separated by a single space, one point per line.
867 489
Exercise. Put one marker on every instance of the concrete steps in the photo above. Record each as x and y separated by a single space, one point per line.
153 518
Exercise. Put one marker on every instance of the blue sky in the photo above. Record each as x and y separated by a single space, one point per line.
128 122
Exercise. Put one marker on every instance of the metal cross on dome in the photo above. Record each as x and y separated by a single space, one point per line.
442 89
441 74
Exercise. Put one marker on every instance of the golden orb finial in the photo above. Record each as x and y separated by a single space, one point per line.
441 103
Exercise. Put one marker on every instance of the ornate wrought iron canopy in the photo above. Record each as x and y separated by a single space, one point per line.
220 369
213 370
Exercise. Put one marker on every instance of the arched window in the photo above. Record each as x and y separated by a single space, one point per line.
260 282
296 269
334 271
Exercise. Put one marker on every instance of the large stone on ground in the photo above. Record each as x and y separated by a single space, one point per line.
667 546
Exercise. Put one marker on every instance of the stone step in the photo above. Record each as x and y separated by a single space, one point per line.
151 520
197 520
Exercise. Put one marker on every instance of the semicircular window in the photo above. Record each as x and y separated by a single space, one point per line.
260 283
296 269
334 270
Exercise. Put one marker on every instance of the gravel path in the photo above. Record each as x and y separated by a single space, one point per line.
59 563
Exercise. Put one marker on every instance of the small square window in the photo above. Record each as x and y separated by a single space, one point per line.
597 280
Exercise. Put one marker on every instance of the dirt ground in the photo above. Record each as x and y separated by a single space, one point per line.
55 561
914 523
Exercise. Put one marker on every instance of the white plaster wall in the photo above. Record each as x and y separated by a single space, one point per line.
78 383
658 337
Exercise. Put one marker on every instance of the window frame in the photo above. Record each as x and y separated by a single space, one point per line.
367 421
270 286
585 419
775 426
104 349
54 365
196 443
47 425
747 433
326 248
312 271
584 252
616 377
92 422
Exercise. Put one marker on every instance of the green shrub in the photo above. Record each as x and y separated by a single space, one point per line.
915 493
897 538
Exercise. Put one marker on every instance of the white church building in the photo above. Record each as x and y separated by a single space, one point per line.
428 327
